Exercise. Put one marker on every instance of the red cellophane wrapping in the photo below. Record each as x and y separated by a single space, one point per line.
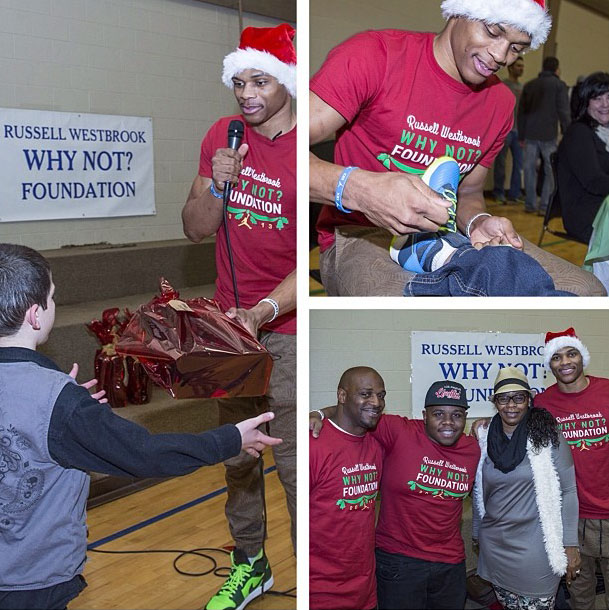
124 380
109 366
193 350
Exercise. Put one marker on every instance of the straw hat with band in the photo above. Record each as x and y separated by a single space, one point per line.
511 379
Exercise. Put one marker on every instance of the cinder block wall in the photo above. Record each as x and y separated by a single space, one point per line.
157 58
381 339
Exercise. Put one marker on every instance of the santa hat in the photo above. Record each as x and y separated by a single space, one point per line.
567 338
528 16
268 49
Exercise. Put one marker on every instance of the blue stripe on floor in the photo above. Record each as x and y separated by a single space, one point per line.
169 513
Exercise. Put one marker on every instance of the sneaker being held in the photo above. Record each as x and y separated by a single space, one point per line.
442 176
246 581
425 252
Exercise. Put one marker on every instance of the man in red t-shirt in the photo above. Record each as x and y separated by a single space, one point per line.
397 100
344 473
580 404
429 468
260 223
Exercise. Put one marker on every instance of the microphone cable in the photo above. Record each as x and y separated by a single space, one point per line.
215 569
235 136
228 247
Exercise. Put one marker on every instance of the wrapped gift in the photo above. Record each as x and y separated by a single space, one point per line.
108 365
110 375
192 349
139 385
122 380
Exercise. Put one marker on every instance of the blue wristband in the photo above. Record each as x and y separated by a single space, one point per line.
340 187
214 192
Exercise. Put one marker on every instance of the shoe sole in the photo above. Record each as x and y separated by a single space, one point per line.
443 170
257 592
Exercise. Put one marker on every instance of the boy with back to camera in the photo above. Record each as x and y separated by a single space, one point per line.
52 431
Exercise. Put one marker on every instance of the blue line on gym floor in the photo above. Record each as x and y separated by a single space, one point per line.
169 513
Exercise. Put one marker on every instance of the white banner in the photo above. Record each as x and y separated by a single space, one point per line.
66 165
473 359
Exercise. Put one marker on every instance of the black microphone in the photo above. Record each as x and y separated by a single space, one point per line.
235 135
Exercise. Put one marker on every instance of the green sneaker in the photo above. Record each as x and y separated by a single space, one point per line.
244 583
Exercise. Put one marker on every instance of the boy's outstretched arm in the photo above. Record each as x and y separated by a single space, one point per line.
87 435
252 440
100 396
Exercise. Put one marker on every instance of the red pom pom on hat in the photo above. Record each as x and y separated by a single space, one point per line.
566 338
268 49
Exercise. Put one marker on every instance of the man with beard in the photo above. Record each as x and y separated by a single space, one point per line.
428 470
256 275
580 404
344 474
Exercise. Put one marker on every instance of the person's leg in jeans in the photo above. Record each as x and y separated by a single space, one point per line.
583 588
605 571
447 586
530 175
547 148
250 573
327 269
401 582
244 510
281 398
499 172
515 191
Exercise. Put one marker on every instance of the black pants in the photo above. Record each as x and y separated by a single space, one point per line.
55 597
415 584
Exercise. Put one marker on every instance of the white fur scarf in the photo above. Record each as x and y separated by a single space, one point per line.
547 495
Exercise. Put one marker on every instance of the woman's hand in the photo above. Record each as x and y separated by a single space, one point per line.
574 563
479 423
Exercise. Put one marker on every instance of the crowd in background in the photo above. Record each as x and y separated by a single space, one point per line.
579 163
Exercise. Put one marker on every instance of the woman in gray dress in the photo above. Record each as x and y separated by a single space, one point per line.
525 500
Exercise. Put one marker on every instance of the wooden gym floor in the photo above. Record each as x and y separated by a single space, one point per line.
528 225
182 513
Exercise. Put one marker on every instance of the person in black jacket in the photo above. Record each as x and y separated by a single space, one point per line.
583 158
52 432
543 104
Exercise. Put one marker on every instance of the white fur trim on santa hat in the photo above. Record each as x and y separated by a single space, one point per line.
525 15
244 59
553 345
